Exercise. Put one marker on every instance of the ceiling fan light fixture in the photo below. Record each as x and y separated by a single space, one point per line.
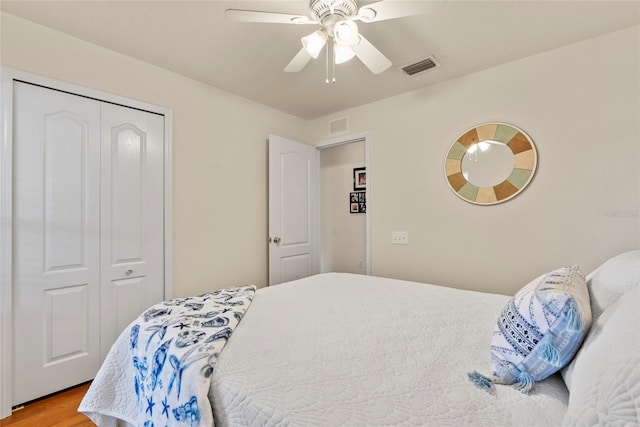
345 32
314 42
342 53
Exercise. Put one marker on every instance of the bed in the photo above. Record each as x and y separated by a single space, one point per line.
342 349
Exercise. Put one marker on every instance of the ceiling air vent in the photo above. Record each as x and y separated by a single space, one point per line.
420 66
338 126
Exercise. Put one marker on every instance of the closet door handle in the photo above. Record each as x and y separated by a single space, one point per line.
128 272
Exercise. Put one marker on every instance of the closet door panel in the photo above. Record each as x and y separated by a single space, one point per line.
129 297
132 242
67 312
56 199
65 145
127 171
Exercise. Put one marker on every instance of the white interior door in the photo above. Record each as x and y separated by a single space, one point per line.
292 210
132 240
56 220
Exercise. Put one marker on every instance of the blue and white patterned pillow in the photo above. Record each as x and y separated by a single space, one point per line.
539 330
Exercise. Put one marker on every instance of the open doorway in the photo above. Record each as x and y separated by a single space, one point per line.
343 225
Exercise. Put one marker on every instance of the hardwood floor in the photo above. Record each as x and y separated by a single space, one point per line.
58 410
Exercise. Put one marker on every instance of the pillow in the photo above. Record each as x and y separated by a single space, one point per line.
606 383
606 284
539 330
612 279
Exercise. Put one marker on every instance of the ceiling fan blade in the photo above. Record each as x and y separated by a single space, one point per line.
298 62
370 56
238 15
390 9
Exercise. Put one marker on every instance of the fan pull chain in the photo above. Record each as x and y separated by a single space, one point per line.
331 55
333 62
326 62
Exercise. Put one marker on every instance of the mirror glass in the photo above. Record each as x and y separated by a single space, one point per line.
490 163
487 163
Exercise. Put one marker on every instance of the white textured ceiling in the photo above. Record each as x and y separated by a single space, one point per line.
192 38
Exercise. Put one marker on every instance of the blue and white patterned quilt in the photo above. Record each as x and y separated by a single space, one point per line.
158 372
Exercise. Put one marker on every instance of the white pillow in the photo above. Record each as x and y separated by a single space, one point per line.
612 279
606 284
606 372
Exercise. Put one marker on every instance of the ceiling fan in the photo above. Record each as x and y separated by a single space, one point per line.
338 29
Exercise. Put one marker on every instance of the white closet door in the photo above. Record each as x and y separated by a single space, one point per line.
56 248
132 243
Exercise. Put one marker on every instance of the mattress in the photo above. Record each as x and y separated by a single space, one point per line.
344 349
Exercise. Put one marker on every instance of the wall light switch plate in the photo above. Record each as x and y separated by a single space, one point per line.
399 237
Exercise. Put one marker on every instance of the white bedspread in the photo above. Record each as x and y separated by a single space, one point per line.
340 349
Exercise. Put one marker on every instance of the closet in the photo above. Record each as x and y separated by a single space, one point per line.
88 230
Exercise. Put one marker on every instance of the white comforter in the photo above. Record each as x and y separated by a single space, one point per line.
340 349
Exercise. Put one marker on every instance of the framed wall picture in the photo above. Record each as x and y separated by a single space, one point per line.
359 179
358 202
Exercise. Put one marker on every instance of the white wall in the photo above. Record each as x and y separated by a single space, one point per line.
342 234
219 151
581 106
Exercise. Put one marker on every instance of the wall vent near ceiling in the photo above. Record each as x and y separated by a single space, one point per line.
421 66
338 126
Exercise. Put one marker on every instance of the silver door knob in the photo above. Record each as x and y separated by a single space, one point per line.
276 240
128 272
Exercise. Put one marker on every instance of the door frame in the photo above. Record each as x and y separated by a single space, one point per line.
7 78
348 139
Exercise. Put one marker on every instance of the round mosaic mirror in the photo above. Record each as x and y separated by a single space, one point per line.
490 163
